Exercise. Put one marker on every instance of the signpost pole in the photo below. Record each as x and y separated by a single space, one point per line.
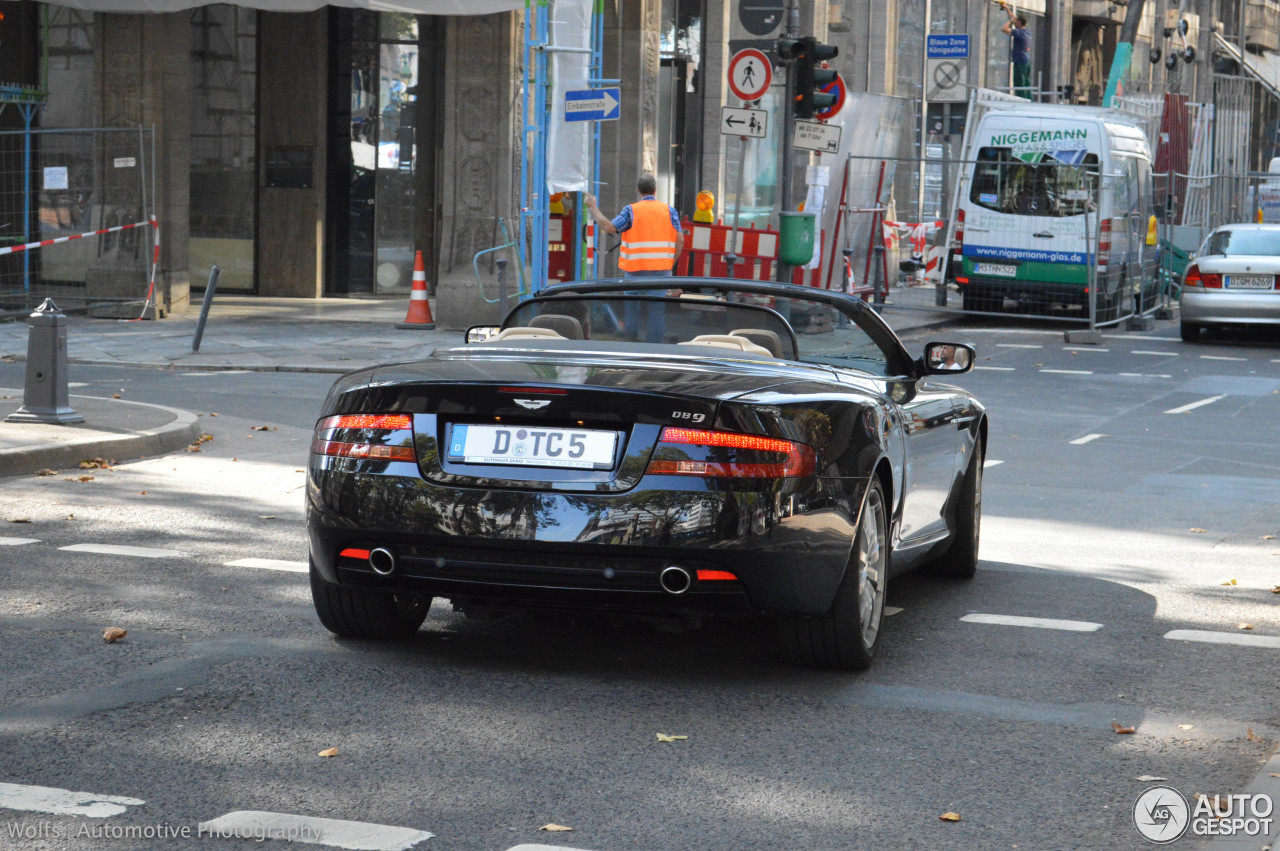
731 257
924 113
788 129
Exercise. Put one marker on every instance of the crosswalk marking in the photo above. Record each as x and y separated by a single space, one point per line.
17 542
1037 623
1270 642
1088 438
355 835
62 802
118 550
1191 407
270 564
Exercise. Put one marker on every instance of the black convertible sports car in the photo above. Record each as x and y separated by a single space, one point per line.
624 446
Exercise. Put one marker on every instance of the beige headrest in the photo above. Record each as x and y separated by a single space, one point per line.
728 341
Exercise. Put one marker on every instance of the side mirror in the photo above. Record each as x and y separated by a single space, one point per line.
480 333
1191 255
947 358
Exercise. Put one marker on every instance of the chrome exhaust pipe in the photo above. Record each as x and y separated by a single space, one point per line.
675 580
382 561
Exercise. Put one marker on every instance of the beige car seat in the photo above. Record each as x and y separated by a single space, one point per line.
761 337
728 341
521 332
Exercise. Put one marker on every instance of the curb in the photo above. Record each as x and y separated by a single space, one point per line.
1267 782
180 433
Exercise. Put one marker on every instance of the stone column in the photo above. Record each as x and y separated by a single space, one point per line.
480 173
145 77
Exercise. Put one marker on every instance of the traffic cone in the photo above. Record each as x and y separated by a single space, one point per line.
419 315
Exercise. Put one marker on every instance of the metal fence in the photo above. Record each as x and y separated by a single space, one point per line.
76 208
1045 235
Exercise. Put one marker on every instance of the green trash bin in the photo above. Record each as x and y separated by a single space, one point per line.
795 237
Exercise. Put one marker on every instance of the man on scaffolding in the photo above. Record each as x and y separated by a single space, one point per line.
1019 51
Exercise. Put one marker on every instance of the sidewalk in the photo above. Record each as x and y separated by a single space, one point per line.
333 335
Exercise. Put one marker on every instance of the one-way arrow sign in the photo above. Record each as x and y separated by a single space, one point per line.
593 105
743 122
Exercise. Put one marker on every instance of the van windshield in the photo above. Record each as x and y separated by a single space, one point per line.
1055 184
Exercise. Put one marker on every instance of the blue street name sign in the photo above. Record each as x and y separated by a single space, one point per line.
593 105
948 47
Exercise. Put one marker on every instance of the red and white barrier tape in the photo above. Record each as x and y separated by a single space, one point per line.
14 249
155 262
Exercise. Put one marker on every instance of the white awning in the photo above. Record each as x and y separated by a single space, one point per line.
417 7
1263 67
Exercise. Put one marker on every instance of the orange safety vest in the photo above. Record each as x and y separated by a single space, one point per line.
650 243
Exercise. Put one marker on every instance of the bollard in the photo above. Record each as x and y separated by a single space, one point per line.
44 398
204 307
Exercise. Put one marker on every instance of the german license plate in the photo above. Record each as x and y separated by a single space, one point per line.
998 269
524 446
1251 282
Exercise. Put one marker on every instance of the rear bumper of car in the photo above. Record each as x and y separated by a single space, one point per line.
1227 307
788 548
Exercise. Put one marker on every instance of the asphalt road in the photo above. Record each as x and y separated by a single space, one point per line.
1102 508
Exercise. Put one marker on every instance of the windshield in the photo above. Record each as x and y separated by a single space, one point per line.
1233 243
1055 184
810 331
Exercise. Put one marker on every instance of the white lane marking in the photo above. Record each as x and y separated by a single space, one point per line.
77 384
17 542
1161 354
1142 375
1184 408
1204 636
1088 438
1018 346
62 802
356 835
991 462
116 550
1068 371
217 372
1083 349
997 368
270 564
1038 623
546 848
1220 357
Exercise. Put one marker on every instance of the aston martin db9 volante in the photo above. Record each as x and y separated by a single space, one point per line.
630 447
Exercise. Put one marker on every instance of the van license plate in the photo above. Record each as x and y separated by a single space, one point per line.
1251 282
998 269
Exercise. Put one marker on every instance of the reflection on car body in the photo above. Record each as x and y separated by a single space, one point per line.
779 455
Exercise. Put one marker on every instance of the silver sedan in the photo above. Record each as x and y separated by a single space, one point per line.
1233 280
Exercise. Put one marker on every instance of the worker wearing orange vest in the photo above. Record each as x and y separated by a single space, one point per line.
651 235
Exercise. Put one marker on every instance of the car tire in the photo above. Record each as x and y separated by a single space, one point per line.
1190 333
367 613
960 561
846 637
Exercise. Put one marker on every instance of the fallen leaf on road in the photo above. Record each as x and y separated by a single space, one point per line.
212 414
1150 778
46 472
949 817
554 828
1250 736
112 634
142 493
891 610
263 428
20 520
1268 537
1193 529
328 752
204 438
235 459
115 395
663 737
1273 774
195 447
71 517
1186 726
1245 626
1228 582
96 464
273 517
1276 590
84 479
1121 729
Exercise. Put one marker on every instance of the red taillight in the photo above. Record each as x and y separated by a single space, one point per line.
799 461
716 576
1195 278
957 242
1104 243
534 391
366 437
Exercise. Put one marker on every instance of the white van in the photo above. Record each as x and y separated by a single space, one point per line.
1040 185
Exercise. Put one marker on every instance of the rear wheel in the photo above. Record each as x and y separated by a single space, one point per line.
1190 333
960 561
846 637
367 613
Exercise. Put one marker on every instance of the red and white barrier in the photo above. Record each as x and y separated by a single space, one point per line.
707 244
14 249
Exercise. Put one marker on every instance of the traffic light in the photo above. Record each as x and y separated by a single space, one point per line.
807 53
